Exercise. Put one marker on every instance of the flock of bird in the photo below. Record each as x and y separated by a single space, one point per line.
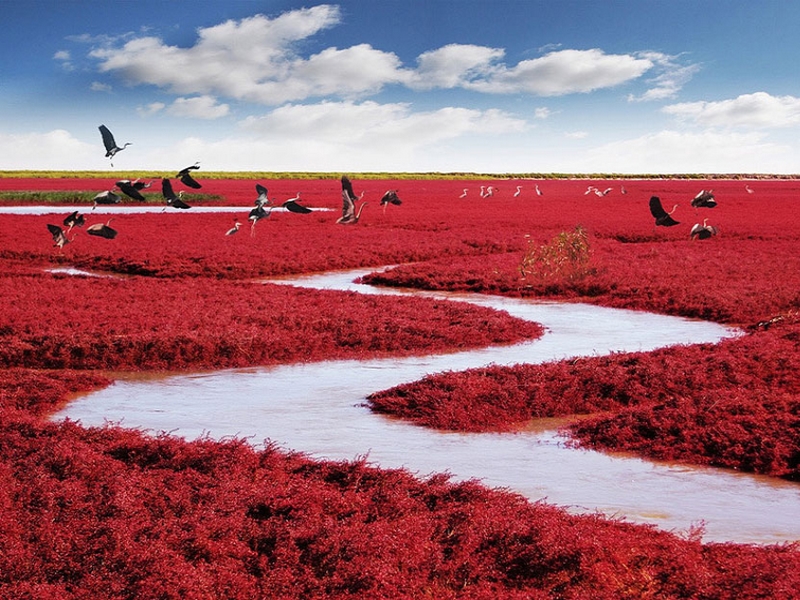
703 199
133 189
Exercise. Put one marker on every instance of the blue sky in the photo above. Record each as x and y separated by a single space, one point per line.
496 86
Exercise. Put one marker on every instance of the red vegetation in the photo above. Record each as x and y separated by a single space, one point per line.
108 513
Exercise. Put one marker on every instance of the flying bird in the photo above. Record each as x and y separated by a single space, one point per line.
74 219
703 231
127 188
110 144
234 229
704 199
107 197
186 178
349 214
60 238
292 206
102 230
262 199
169 195
390 197
662 217
255 215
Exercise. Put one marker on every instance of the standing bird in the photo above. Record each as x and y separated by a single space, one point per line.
102 230
463 193
662 217
60 238
748 188
110 144
703 231
234 229
349 214
538 191
292 206
169 195
704 199
390 197
127 188
74 219
186 178
489 192
518 192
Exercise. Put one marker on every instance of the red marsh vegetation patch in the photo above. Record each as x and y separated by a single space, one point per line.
115 513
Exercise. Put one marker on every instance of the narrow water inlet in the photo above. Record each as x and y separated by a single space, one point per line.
317 408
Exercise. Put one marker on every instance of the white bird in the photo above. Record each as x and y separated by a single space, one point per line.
589 190
622 190
483 191
234 229
606 191
489 192
748 188
538 191
464 193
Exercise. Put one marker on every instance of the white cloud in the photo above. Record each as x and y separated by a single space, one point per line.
564 72
670 79
748 110
96 86
679 152
542 112
256 59
454 65
55 149
200 107
62 55
576 135
150 109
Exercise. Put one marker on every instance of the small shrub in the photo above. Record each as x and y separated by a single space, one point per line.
565 257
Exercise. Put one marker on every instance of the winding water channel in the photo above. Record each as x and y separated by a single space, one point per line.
317 409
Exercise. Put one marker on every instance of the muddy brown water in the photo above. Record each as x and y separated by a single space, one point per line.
317 408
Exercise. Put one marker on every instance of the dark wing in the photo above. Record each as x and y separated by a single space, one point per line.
166 190
348 206
108 139
185 171
262 194
128 189
72 219
348 187
293 206
391 197
102 230
656 209
178 203
188 181
55 231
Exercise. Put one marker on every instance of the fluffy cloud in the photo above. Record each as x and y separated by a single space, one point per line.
200 107
680 152
56 149
748 110
256 59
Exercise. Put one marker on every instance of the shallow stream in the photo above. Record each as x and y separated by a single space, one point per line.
317 408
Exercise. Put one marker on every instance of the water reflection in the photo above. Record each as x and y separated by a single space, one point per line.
318 409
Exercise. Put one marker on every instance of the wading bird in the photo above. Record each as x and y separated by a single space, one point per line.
256 214
74 219
292 206
662 217
169 195
234 229
748 188
704 199
349 214
262 199
518 192
186 178
107 197
463 193
390 197
110 144
102 230
60 238
703 231
538 191
127 188
622 190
